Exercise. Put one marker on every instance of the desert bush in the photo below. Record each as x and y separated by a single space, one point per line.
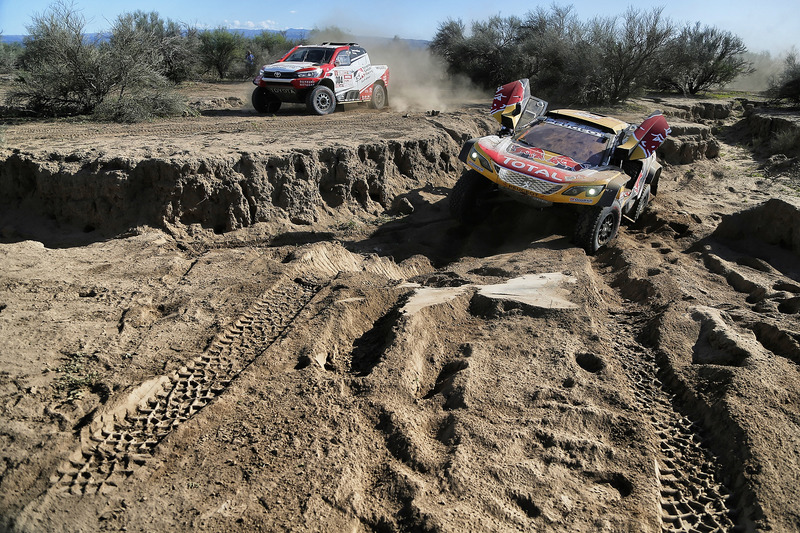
9 56
165 47
786 142
141 104
786 85
62 71
220 50
699 58
267 47
622 51
603 61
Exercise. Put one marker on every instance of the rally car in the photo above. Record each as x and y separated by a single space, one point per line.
321 76
603 165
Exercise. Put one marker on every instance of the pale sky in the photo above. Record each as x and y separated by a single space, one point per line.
764 25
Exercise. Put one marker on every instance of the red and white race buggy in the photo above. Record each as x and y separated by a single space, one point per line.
321 76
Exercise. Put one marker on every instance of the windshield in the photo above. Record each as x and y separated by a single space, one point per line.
580 142
310 54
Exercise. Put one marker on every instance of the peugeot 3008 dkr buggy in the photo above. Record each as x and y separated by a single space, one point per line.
603 165
321 76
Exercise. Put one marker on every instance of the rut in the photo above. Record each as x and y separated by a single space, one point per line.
692 498
113 452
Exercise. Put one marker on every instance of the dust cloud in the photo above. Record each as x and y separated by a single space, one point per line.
765 67
418 80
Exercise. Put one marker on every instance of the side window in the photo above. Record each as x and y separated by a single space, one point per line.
343 59
356 52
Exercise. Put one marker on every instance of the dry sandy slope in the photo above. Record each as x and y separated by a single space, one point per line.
400 373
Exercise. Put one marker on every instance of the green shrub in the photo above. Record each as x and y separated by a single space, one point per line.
786 142
142 104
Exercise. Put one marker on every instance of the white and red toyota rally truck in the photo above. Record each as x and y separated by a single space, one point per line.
322 76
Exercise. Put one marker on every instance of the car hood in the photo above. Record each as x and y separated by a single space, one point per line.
288 66
535 162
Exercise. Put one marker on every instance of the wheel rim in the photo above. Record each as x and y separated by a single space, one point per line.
605 230
378 96
323 101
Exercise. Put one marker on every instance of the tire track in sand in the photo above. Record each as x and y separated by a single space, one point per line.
692 498
115 450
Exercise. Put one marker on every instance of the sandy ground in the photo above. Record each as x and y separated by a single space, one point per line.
372 372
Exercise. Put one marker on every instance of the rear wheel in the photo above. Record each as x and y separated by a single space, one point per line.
641 203
378 97
654 183
264 101
466 197
321 100
597 227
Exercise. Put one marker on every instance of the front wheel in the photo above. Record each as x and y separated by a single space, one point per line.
321 100
466 196
264 101
597 227
378 99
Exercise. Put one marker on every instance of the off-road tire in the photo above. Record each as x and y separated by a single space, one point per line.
641 204
597 227
321 100
264 101
378 100
466 196
654 183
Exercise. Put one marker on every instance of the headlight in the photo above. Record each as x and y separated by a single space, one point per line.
589 190
313 73
475 156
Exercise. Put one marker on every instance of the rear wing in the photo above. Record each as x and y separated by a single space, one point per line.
513 105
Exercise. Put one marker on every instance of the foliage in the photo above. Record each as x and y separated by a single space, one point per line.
62 72
786 142
9 56
219 49
602 61
786 85
167 47
141 104
76 375
624 51
699 58
269 46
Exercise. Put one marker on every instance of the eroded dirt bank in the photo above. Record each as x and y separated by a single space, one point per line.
342 356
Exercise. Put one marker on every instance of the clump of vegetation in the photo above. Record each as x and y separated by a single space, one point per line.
786 85
602 61
128 75
786 142
75 376
699 58
63 72
9 56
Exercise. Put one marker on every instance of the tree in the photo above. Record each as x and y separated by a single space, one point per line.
219 48
9 55
62 71
137 55
626 49
699 58
786 86
450 44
